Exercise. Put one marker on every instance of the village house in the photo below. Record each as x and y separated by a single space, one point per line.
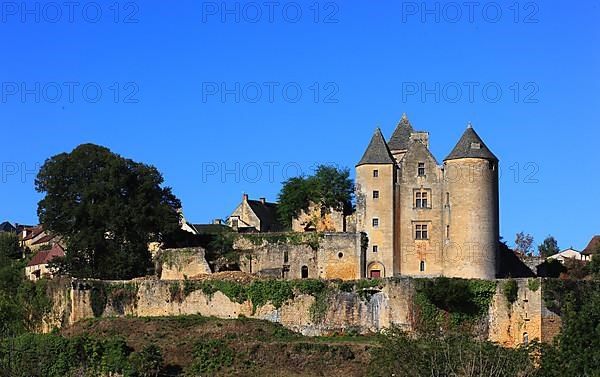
37 268
591 248
7 227
255 216
569 253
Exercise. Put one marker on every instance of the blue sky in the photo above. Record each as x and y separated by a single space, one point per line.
232 97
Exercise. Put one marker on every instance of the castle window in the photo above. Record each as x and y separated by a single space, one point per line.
421 169
447 198
286 257
375 173
304 272
447 231
421 199
375 194
421 232
375 223
375 248
422 266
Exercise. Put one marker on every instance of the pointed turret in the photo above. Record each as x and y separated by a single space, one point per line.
470 145
377 152
400 139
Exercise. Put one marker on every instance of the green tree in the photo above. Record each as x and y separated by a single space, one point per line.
523 243
328 187
549 247
107 208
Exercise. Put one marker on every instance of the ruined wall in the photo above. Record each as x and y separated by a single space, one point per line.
390 303
326 255
178 264
315 219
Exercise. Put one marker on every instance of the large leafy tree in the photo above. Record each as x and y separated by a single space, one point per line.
549 247
329 187
107 208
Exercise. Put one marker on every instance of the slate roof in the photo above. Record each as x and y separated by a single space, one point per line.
592 247
470 145
377 152
400 139
267 214
210 228
45 256
7 227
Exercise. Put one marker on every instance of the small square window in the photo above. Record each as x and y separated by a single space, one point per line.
421 169
375 222
375 248
375 194
375 173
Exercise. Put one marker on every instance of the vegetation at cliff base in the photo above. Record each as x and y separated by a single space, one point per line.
107 209
451 303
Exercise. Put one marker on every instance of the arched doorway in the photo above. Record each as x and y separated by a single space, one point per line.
375 270
304 272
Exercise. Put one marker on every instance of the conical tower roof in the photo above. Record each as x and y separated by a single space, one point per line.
470 145
377 152
400 139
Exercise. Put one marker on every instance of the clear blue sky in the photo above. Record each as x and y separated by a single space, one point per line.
169 62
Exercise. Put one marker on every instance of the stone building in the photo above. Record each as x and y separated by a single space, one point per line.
255 216
423 218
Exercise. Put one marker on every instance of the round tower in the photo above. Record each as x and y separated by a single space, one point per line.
471 216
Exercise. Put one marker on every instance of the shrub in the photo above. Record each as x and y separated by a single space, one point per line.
510 290
211 355
148 362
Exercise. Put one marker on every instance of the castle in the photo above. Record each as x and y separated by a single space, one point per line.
425 219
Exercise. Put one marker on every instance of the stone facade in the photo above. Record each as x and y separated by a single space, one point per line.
307 255
524 320
426 219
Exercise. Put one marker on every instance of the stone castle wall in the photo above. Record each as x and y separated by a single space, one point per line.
325 256
390 304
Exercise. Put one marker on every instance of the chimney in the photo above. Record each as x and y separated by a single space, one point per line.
245 197
262 200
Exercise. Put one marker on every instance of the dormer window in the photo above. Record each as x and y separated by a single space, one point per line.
421 169
475 145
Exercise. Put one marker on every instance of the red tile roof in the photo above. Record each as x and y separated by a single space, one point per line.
45 256
35 231
593 246
45 239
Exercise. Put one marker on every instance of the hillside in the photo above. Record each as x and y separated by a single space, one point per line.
240 347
